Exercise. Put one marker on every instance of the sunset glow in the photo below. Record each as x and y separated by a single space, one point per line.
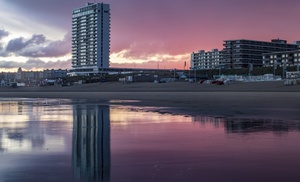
35 35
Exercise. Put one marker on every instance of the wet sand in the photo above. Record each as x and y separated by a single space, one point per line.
270 100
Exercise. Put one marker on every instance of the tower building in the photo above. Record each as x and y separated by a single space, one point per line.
90 38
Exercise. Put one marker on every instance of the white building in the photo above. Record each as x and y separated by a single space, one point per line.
90 38
205 60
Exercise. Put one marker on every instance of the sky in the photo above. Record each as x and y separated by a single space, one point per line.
36 34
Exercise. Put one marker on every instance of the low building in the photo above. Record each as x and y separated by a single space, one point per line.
31 77
59 73
283 58
243 53
205 60
7 76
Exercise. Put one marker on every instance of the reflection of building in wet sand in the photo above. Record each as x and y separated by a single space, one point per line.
205 119
91 143
240 125
260 125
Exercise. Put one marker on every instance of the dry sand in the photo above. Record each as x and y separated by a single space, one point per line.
270 100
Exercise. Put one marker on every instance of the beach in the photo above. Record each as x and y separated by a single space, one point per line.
269 100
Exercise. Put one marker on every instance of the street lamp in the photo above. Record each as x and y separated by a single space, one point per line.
250 68
174 73
274 69
283 68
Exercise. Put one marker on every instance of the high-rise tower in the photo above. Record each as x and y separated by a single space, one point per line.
91 38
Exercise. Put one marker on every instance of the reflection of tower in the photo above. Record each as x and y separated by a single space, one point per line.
91 143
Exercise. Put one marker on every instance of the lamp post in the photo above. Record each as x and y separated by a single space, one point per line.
174 73
298 74
250 68
274 70
189 73
283 69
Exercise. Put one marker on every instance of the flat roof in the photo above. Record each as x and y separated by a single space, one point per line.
263 41
279 52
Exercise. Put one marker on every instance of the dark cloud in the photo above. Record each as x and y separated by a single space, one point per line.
58 48
3 33
20 43
32 64
38 46
37 39
16 45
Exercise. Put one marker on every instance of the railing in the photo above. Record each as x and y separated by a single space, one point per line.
246 78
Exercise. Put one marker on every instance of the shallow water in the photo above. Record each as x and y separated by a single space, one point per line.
62 140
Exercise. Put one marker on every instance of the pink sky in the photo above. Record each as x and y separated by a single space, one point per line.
144 31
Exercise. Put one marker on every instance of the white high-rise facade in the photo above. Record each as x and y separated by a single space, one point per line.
91 38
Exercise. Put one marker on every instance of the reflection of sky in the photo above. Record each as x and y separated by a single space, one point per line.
36 142
201 148
135 115
24 125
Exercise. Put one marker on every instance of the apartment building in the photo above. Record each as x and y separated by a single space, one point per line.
244 53
284 58
205 59
90 38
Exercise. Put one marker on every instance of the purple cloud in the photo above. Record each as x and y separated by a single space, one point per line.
16 45
20 43
39 46
3 33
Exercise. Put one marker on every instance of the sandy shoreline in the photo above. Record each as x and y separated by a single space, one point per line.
275 86
272 101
